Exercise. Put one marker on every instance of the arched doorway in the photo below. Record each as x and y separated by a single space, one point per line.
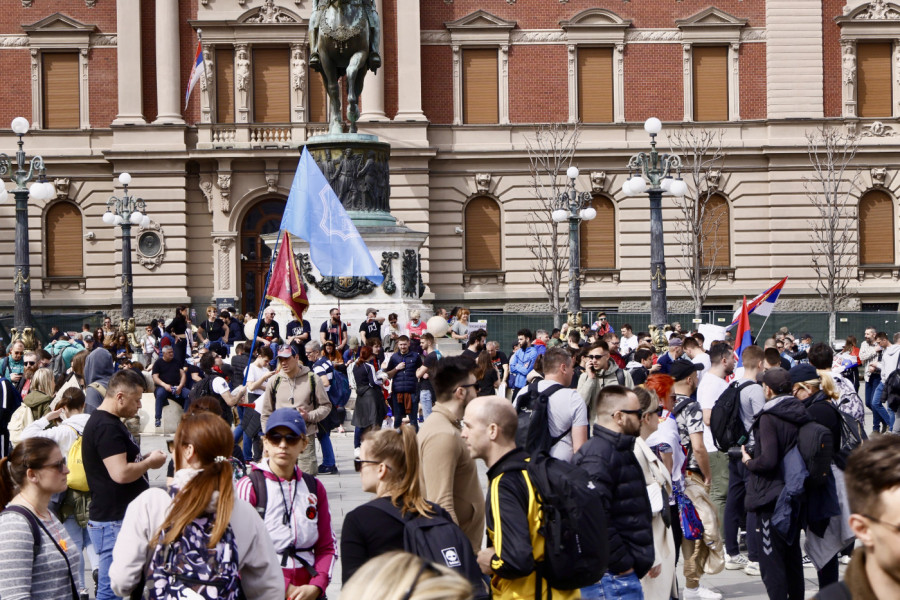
262 218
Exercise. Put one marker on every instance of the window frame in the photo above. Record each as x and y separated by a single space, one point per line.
595 196
728 224
891 227
861 25
45 239
465 237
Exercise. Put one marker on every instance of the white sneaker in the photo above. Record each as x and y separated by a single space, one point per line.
356 452
701 592
844 560
752 569
738 561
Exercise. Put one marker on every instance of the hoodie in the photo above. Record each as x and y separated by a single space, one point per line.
589 387
889 361
38 402
98 368
63 434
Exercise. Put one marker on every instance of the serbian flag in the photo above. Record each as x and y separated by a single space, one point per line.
742 338
196 73
284 283
762 305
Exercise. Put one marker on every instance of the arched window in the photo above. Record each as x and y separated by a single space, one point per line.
876 229
715 233
598 236
65 246
262 218
482 235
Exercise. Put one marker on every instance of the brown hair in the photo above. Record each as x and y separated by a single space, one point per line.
78 363
365 355
213 443
204 404
399 449
72 399
753 354
872 469
482 364
30 453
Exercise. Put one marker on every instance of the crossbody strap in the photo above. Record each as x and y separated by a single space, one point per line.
34 522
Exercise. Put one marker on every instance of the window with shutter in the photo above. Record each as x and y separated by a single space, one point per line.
876 229
715 233
481 92
225 85
595 85
598 236
65 252
271 85
61 90
482 233
710 83
318 98
874 80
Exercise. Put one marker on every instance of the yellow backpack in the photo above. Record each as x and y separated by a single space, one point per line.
77 478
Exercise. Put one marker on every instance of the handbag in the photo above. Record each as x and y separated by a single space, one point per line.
691 525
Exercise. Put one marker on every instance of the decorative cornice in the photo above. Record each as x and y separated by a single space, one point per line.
98 40
431 37
13 41
653 35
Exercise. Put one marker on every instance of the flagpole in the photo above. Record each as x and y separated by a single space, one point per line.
262 303
758 331
203 58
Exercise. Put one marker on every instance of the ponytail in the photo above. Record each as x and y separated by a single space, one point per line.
399 449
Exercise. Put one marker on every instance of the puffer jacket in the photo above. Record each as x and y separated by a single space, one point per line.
609 459
405 381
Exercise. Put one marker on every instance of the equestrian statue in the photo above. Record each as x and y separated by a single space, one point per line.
344 36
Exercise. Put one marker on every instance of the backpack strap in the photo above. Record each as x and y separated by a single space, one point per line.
681 405
620 376
35 523
258 481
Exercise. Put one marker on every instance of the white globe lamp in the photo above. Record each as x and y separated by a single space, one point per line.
20 125
572 172
638 185
589 213
125 179
652 126
678 188
559 215
109 218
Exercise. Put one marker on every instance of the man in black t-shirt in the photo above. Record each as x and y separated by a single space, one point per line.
371 327
500 360
233 327
335 330
297 334
170 382
116 471
475 344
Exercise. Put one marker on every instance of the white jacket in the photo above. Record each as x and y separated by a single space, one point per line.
63 434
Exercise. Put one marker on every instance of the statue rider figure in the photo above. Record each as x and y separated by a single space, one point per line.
374 61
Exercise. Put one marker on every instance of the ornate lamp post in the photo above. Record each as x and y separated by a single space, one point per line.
657 169
41 191
125 212
572 208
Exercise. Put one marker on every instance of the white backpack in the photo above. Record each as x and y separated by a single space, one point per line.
20 419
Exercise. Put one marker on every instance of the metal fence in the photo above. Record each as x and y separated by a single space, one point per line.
43 322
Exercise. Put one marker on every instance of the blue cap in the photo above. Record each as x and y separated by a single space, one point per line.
287 417
803 372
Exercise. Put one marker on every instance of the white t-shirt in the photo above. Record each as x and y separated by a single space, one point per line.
627 345
708 392
220 385
255 373
667 433
702 359
567 409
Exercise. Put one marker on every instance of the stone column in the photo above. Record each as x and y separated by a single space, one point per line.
409 69
128 57
168 80
373 88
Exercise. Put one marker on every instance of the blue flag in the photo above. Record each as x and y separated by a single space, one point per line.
315 214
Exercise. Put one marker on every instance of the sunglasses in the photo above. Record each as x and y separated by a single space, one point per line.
358 463
30 363
59 466
597 356
467 385
659 411
637 412
290 438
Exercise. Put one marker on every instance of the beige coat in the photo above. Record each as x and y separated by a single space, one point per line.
663 586
295 393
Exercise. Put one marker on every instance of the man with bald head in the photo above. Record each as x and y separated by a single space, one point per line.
609 459
512 515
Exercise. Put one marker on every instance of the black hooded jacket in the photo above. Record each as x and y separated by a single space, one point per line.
775 431
609 459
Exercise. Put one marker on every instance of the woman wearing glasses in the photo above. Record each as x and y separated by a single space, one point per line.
38 559
293 506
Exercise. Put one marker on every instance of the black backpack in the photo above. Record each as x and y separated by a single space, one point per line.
439 541
204 388
532 407
573 523
852 435
816 445
891 396
725 421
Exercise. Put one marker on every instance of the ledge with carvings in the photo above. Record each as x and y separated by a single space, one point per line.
245 136
891 272
476 278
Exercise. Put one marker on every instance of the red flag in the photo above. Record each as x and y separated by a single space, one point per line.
285 284
742 339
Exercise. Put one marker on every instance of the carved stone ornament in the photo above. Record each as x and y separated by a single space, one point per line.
879 10
879 175
62 188
877 129
339 287
598 181
206 187
483 182
712 178
224 185
224 244
387 269
271 182
410 273
90 3
151 245
269 13
27 3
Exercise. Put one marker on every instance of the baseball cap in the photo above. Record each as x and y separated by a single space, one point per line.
803 372
287 417
805 336
682 369
371 310
286 351
675 341
778 380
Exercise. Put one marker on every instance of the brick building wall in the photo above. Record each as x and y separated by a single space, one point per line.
538 84
753 81
831 56
437 84
654 84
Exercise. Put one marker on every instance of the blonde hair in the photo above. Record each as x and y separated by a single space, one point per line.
399 449
828 385
42 381
397 575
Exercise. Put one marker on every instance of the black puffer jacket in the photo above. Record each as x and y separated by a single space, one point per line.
609 458
775 431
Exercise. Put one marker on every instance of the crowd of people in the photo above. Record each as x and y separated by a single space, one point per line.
701 457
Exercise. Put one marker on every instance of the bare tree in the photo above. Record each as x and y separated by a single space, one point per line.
697 232
550 155
833 247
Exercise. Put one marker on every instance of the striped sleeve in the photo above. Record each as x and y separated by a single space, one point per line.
18 563
244 490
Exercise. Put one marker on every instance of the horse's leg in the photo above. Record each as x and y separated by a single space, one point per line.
355 76
329 75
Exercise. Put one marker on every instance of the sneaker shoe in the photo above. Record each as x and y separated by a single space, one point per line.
356 452
158 423
807 562
701 593
844 560
323 470
752 569
738 561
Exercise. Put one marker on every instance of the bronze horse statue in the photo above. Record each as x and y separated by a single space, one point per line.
344 36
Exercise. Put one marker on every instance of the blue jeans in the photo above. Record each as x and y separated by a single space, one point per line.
103 536
82 540
239 435
621 587
426 399
886 415
870 393
162 395
327 449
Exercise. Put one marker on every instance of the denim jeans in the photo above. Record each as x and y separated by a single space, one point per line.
426 399
82 540
240 436
886 415
619 587
327 449
870 393
103 536
162 396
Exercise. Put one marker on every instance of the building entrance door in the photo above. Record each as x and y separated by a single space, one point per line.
262 218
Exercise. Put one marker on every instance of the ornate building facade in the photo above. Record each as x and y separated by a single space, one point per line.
463 88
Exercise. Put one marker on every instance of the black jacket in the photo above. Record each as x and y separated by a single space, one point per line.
823 412
609 459
775 432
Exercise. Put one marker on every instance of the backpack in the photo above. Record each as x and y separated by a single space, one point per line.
891 394
532 408
339 392
849 402
816 447
77 478
573 523
20 419
189 568
440 541
204 388
725 421
852 435
58 363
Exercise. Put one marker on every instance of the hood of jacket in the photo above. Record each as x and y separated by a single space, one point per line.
36 398
892 350
632 364
77 422
788 408
98 367
611 368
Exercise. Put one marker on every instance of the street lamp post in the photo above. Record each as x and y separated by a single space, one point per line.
657 169
575 207
40 191
125 212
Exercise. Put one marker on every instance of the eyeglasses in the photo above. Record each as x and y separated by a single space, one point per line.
358 463
597 356
896 528
59 466
290 438
467 385
636 411
602 319
30 363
